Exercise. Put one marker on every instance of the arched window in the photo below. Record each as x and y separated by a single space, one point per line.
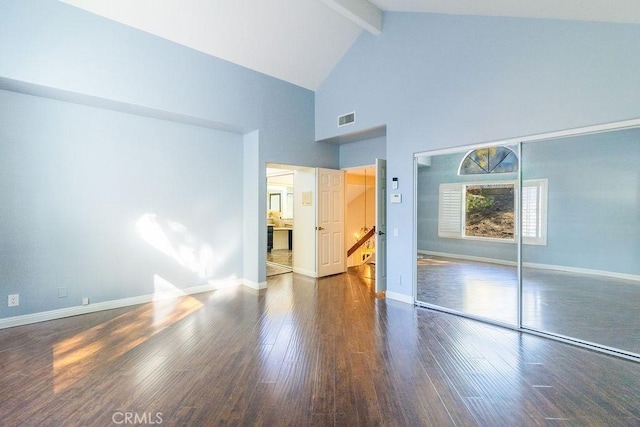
486 208
489 160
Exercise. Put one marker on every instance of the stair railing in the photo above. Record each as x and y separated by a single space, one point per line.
362 241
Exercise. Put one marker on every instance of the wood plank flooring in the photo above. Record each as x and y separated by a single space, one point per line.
302 352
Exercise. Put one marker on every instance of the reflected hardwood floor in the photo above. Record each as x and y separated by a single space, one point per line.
303 352
279 261
366 271
591 308
281 256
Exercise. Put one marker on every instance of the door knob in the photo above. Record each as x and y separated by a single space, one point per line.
319 228
380 233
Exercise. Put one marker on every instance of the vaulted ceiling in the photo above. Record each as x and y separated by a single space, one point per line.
301 41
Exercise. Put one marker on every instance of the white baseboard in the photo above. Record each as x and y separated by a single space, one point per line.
44 316
469 258
254 285
305 272
577 270
587 271
399 297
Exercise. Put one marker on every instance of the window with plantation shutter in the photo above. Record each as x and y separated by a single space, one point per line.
534 212
530 215
450 211
452 218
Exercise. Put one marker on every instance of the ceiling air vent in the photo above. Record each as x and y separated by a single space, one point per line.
346 119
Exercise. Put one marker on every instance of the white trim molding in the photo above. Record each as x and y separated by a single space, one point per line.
468 257
577 270
253 285
624 124
305 272
408 299
360 12
44 316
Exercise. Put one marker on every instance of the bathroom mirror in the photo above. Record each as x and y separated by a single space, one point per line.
274 202
280 192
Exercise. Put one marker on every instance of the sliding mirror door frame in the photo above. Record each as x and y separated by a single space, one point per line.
466 240
517 142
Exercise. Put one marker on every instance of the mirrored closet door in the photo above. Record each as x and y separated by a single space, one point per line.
581 278
466 232
543 235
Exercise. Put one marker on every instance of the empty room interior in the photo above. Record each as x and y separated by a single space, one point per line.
319 212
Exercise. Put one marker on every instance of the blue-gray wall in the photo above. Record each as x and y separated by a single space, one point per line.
594 200
441 81
66 74
363 153
100 202
435 81
593 203
444 170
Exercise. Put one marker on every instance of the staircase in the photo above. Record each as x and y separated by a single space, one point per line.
363 251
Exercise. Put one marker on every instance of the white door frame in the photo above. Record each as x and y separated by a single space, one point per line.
381 226
330 222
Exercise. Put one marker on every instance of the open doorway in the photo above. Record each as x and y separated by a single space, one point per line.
305 220
280 220
360 224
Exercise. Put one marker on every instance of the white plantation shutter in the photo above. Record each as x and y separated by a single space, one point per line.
530 217
534 212
451 215
450 211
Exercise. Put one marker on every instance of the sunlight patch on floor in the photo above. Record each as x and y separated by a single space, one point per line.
76 357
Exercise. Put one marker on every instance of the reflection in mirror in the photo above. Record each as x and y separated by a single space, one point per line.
280 221
489 210
576 204
466 243
482 161
584 281
280 191
274 202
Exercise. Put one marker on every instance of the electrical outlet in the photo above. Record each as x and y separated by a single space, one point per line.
13 300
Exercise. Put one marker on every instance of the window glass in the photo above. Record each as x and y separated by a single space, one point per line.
489 160
489 211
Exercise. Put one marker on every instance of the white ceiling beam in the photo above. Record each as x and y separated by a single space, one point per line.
361 12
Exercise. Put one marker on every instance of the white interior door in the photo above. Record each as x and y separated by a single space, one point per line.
381 225
330 222
304 214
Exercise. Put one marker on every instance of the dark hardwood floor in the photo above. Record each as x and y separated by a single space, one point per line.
303 352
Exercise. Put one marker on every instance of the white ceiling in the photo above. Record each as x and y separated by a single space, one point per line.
298 41
301 41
